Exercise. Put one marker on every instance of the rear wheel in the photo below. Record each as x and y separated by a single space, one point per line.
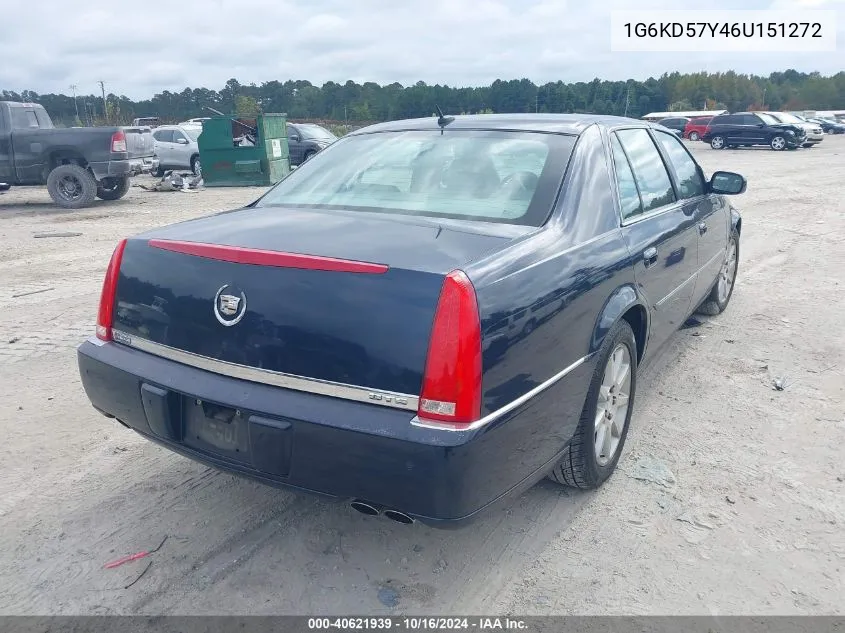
594 450
196 166
71 186
717 142
113 188
694 136
777 143
723 288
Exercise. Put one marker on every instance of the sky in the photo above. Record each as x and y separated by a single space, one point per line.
144 49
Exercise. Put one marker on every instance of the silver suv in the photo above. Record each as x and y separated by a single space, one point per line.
176 147
814 130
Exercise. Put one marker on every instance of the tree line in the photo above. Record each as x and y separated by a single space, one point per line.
352 102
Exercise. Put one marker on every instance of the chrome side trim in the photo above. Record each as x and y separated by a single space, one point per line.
692 278
269 377
498 413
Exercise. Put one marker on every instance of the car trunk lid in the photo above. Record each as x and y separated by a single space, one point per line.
344 298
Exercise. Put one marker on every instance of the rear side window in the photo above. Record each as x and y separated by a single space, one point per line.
690 184
24 118
629 197
723 120
650 173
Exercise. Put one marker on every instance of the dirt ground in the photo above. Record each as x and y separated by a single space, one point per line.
730 498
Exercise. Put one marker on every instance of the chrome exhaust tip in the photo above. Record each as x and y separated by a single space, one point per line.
399 517
365 508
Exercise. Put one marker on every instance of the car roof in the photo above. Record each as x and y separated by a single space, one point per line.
555 123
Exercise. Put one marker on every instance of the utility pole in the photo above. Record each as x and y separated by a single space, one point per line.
75 102
105 107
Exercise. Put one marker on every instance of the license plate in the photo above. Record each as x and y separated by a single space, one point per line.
217 430
220 434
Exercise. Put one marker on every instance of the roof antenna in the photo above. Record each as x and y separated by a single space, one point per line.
442 119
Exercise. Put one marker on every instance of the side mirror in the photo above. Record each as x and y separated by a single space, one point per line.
728 183
182 141
294 138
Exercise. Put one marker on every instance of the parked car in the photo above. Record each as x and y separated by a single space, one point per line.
77 164
332 336
196 121
146 121
177 148
814 133
678 123
744 129
829 126
306 139
696 127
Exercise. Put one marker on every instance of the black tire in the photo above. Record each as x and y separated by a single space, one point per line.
579 467
718 142
714 303
71 186
158 172
777 143
308 155
807 145
196 165
694 136
113 188
5 186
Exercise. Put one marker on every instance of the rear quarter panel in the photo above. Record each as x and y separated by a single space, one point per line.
577 261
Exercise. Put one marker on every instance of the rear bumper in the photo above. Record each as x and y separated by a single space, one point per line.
120 168
313 443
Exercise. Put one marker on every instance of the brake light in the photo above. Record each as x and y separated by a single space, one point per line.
105 316
451 387
118 141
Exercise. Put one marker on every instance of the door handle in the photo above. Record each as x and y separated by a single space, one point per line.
702 228
650 256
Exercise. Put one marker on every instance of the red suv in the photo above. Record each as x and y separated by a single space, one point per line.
696 127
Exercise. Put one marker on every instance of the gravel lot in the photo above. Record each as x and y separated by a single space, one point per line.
730 497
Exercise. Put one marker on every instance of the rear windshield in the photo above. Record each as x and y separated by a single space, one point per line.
24 117
493 175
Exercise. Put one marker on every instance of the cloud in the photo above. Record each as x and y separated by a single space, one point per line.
203 43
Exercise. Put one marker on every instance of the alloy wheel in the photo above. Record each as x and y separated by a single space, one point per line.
727 274
612 405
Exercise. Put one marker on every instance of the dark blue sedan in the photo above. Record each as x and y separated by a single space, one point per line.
425 318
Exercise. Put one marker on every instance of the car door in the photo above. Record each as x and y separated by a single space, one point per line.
659 230
709 210
752 129
296 148
182 150
164 146
7 168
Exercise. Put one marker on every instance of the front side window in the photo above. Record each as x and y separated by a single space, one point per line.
163 136
653 180
487 175
690 183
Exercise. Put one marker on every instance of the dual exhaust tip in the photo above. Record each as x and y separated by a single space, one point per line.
372 510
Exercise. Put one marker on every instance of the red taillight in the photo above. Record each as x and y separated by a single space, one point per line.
105 317
451 387
118 141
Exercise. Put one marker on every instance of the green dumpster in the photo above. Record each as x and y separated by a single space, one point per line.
226 165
